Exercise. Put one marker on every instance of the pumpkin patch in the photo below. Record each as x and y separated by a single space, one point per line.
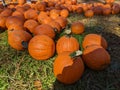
40 29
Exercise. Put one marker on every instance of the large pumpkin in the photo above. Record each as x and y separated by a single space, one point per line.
14 20
44 29
6 12
16 39
96 57
68 69
94 39
67 43
77 28
3 22
41 47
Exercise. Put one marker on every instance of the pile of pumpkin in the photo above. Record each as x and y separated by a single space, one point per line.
34 26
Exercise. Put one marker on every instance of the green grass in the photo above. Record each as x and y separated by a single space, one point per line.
18 70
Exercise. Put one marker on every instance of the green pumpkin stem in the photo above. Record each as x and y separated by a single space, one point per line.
76 53
24 44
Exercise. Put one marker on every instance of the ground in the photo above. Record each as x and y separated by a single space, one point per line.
18 70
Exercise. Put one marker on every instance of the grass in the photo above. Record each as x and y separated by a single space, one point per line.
18 70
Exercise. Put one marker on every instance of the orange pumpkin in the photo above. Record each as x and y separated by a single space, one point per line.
41 47
30 24
96 57
77 28
106 11
14 20
44 29
68 69
89 13
21 2
40 6
98 10
64 13
54 13
55 25
6 12
67 43
79 10
62 21
109 1
94 39
16 38
2 22
31 14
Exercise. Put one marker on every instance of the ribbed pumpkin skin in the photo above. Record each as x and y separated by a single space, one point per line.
66 43
96 57
44 29
41 47
77 28
31 24
16 37
66 69
94 39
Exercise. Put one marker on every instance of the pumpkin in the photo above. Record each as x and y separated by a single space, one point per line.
115 9
41 47
21 2
94 39
30 24
14 20
109 1
16 27
67 43
89 13
54 13
79 10
44 29
20 9
26 6
77 28
96 57
47 20
98 10
68 69
19 14
2 22
17 38
55 25
74 2
50 4
106 11
42 16
6 12
31 14
64 13
62 21
40 6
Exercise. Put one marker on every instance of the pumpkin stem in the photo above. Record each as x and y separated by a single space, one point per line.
24 44
76 53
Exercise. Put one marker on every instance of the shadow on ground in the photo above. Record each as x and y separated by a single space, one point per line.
108 79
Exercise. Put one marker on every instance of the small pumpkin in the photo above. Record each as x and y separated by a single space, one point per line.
106 11
40 6
64 13
21 2
62 21
31 14
115 9
98 10
16 39
109 1
54 13
96 57
30 24
67 68
89 13
77 28
44 29
94 39
41 47
79 10
67 43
